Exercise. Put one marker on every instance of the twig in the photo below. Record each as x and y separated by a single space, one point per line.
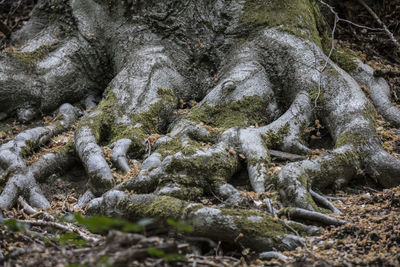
380 22
68 227
389 72
286 156
62 226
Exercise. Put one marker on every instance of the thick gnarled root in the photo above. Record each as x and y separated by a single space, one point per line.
246 228
24 182
22 178
12 153
379 92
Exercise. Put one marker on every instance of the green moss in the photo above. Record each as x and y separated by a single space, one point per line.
266 226
27 149
317 95
67 149
161 207
166 207
311 201
248 111
191 193
204 171
150 119
106 130
4 179
354 138
31 58
297 17
370 114
303 134
167 95
346 59
274 139
174 146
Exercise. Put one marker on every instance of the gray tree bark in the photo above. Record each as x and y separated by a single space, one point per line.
227 80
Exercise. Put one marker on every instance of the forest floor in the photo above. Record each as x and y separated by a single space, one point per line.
59 237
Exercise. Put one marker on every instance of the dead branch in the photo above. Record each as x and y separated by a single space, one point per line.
381 23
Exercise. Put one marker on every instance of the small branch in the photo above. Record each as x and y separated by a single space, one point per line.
5 29
286 156
380 22
65 227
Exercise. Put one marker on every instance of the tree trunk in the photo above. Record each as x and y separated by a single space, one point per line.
219 83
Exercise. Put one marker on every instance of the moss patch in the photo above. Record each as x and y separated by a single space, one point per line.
317 95
346 59
297 17
265 226
165 207
106 130
204 170
31 58
274 139
248 111
175 146
354 138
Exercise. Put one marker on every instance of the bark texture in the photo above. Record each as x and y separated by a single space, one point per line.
227 80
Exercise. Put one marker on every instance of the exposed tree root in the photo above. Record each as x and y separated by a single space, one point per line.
324 202
22 179
221 224
120 149
273 81
379 92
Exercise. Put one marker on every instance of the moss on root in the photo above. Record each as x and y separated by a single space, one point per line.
31 58
27 149
162 207
297 17
105 129
175 145
242 113
254 224
353 138
204 170
165 207
345 58
317 95
4 179
274 139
